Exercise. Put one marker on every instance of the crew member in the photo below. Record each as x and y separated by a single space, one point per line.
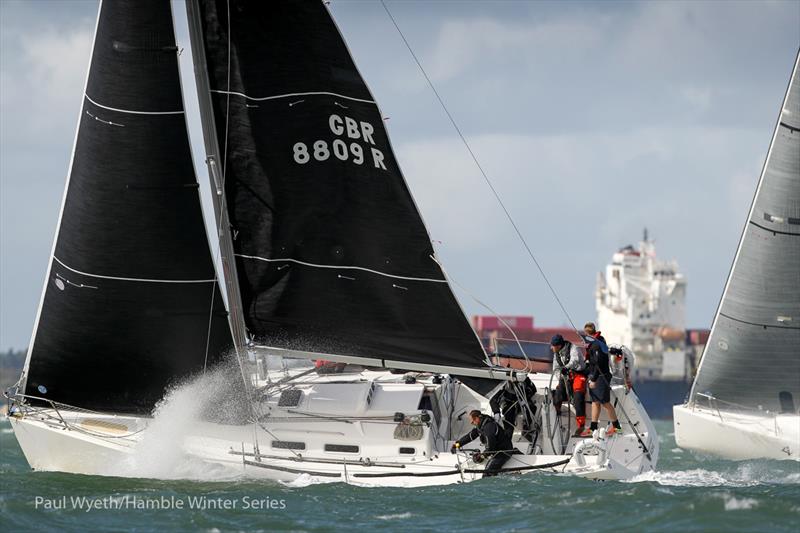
506 404
590 329
496 442
599 376
570 362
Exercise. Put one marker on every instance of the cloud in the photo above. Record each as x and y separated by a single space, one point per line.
41 84
462 43
592 121
52 81
577 198
698 97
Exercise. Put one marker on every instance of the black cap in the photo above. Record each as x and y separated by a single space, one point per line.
557 340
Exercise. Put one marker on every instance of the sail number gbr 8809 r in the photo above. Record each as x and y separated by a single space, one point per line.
342 149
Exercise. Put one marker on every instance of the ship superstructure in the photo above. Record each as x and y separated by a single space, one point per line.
640 302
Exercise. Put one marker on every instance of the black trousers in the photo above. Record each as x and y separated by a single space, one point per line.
496 463
560 395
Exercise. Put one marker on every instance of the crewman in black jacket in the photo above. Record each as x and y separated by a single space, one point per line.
506 405
600 385
497 442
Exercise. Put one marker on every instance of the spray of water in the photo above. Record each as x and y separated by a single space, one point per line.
217 396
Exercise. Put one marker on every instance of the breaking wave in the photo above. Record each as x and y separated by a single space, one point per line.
397 516
303 480
732 503
744 475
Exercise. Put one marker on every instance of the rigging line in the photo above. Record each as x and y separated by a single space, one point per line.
227 101
220 216
213 265
457 284
225 167
271 434
522 401
210 319
239 358
119 278
337 267
480 168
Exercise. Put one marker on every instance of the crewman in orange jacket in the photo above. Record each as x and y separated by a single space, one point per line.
570 361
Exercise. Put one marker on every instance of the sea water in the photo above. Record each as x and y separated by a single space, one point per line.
688 493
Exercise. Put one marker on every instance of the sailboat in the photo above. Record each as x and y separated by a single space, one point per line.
745 400
324 256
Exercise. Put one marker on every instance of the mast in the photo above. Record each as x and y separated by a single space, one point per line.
216 174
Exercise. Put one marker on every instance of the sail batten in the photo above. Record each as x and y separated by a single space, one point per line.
331 252
290 95
134 112
131 304
339 267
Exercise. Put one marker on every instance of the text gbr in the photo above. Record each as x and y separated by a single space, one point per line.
341 150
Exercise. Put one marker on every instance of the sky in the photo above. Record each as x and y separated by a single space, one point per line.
593 120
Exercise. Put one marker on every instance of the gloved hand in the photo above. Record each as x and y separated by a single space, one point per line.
564 371
455 447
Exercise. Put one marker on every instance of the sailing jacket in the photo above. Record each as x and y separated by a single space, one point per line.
598 360
491 434
570 357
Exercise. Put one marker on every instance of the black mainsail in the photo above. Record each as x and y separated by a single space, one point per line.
331 252
131 301
752 359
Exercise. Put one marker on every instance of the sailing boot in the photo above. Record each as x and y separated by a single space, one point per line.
581 421
615 428
588 432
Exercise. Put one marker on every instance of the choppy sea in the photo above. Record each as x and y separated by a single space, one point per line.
688 493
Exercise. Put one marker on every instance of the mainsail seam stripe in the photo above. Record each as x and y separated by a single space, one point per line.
338 267
133 112
279 96
117 278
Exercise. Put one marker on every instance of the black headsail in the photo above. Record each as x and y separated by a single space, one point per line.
332 254
127 307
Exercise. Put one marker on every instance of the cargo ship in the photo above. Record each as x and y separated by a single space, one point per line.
640 303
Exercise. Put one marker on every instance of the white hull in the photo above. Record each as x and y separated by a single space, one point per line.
737 436
102 444
49 448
